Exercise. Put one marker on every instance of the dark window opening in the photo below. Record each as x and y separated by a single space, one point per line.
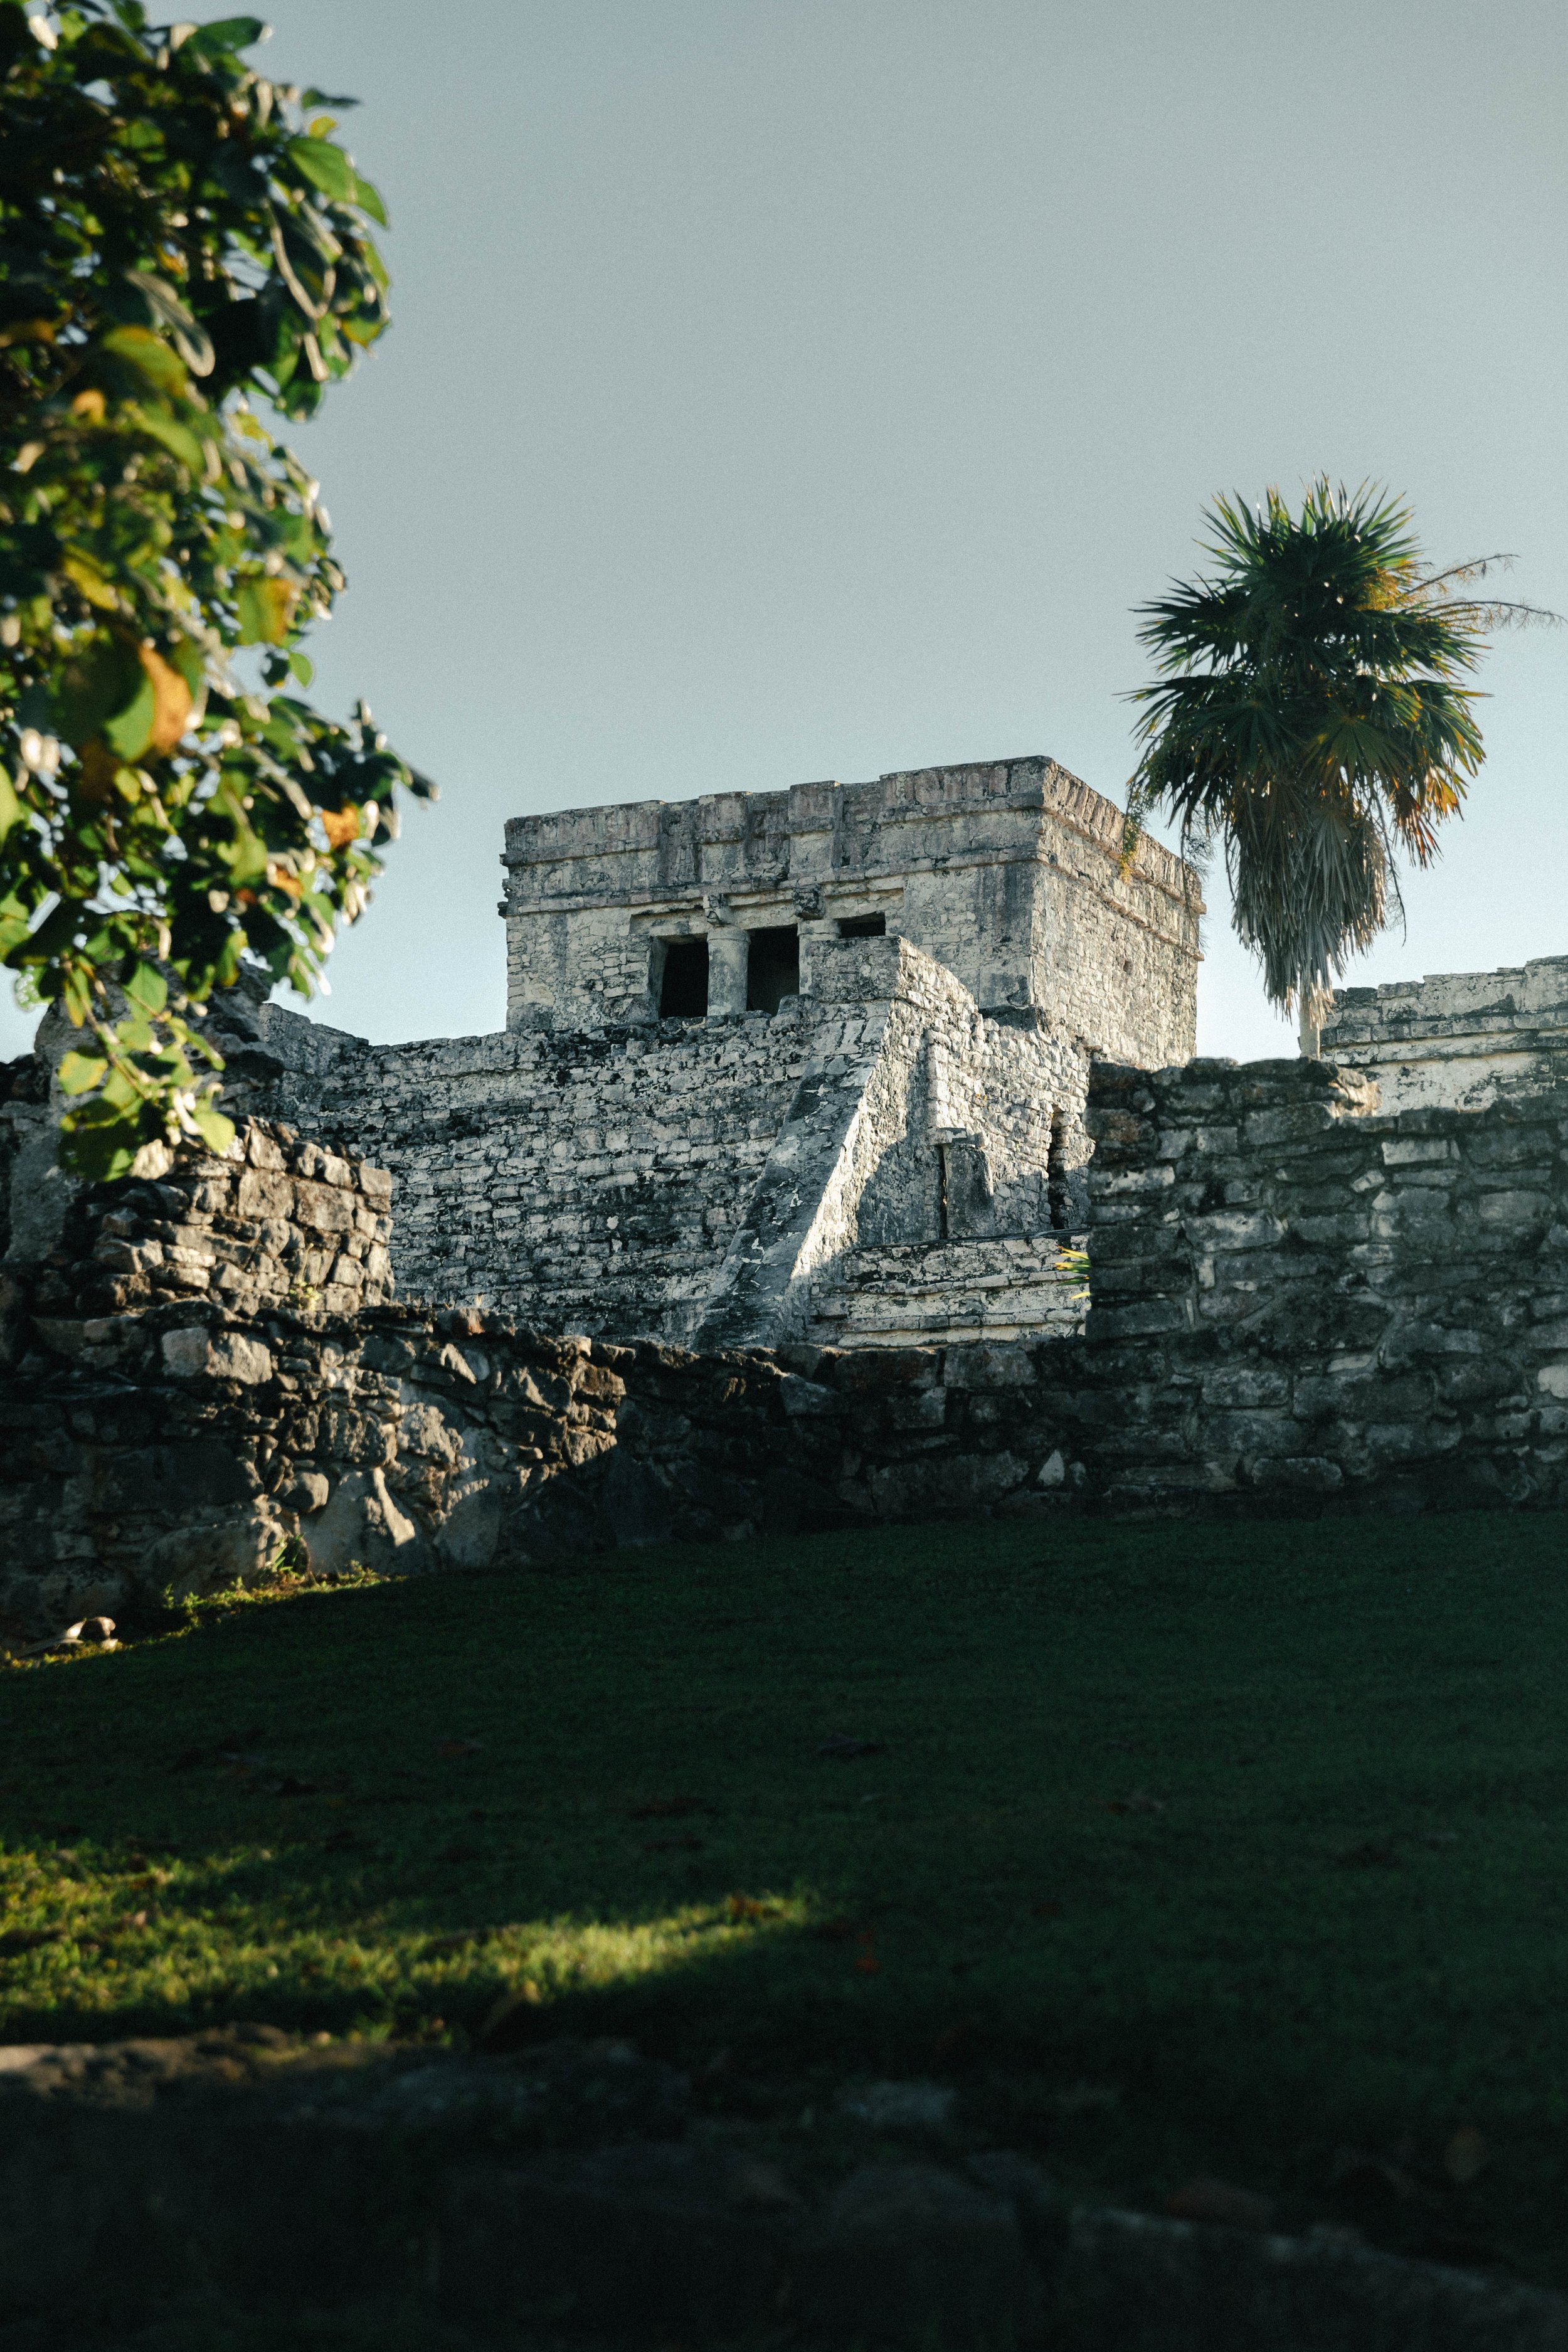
683 991
773 967
1057 1176
862 927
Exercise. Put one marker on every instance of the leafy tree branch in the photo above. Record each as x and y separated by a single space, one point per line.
181 240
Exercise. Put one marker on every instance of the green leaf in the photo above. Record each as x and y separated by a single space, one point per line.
326 167
149 355
303 668
368 198
129 731
78 1073
190 341
173 435
216 1131
11 808
148 987
227 34
99 1141
104 679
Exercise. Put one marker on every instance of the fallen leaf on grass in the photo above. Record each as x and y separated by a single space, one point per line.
1466 2156
1139 1802
670 1809
1204 2200
842 1747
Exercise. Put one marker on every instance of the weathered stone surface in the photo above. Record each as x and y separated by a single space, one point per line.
1316 1347
1458 1040
899 1128
572 2188
904 2254
1165 2286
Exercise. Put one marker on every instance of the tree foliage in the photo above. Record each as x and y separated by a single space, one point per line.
180 240
1311 714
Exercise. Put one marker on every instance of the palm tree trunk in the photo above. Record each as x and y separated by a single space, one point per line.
1309 1026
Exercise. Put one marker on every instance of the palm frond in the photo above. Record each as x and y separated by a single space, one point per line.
1310 710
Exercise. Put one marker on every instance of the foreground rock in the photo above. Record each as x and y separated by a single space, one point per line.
573 2186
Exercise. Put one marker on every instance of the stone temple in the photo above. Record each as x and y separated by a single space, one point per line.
797 1064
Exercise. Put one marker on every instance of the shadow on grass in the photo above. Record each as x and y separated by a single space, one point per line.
1176 1850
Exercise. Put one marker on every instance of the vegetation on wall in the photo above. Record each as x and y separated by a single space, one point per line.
180 241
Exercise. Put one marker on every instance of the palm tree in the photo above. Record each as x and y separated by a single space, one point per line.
1311 716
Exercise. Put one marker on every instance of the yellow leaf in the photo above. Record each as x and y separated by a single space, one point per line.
171 702
89 403
341 826
281 878
91 581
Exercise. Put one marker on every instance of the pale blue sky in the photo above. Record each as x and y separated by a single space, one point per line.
783 389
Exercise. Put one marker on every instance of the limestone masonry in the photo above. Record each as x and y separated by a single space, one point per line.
1462 1038
777 1064
752 1220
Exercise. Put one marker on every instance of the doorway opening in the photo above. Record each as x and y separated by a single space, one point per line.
683 985
773 967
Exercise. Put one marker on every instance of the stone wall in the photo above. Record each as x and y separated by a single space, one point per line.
695 1177
1299 1303
1303 1300
913 1295
183 1445
1009 873
1460 1039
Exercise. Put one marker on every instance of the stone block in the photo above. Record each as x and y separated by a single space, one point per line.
196 1352
996 1366
906 2254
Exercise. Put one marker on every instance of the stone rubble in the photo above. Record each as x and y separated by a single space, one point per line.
576 2182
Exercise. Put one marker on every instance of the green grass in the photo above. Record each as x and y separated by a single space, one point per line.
1189 1849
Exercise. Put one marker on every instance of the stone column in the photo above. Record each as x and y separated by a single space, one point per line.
815 938
729 949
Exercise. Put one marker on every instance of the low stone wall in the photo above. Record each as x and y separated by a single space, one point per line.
925 1295
1299 1303
1299 1298
1460 1039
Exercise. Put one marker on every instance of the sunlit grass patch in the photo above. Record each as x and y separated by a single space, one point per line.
1179 1850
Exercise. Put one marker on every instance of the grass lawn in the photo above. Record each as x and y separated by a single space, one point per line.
1179 1850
